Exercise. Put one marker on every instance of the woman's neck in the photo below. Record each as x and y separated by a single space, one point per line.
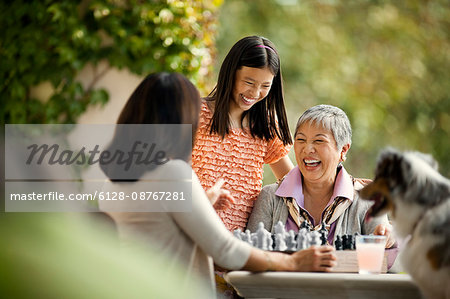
319 193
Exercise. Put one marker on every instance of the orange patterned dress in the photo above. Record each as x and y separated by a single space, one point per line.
239 160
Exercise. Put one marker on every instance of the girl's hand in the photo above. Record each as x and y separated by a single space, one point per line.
221 199
385 230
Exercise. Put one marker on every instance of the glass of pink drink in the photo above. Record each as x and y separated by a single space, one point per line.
370 252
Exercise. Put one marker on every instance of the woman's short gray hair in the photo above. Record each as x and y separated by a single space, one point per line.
331 118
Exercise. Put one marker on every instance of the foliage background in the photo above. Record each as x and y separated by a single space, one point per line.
386 63
52 41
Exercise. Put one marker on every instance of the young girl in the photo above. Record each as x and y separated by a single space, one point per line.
243 126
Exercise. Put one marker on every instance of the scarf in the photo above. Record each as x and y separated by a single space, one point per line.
329 215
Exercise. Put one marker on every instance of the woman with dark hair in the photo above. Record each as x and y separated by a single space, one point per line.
243 126
191 238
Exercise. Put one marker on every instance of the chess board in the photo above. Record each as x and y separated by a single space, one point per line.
289 242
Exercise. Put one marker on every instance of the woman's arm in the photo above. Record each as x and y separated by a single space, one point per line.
206 229
315 258
281 167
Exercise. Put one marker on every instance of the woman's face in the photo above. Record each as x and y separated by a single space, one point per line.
251 86
317 154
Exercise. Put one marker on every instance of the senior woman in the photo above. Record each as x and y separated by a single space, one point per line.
319 189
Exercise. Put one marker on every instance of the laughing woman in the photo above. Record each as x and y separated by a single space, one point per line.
319 189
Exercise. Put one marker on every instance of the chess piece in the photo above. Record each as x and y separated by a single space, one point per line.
314 239
254 238
238 233
247 237
280 242
279 229
301 238
305 225
351 242
344 242
338 243
262 237
323 234
290 241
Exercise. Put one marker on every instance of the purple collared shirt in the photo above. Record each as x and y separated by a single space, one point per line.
292 187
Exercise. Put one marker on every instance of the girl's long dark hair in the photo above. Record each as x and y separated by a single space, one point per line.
255 52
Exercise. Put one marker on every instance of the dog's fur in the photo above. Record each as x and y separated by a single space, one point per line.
409 186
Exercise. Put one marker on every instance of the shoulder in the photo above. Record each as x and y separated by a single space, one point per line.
359 205
267 195
269 190
205 115
263 207
207 106
358 184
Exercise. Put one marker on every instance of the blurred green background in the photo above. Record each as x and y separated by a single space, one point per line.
385 63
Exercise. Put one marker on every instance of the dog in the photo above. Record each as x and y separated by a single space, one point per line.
417 196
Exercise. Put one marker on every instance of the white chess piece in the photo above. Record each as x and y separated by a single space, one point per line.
302 239
315 238
280 242
247 237
261 237
238 233
290 241
279 229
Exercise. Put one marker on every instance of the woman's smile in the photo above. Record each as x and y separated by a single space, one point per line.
311 164
248 100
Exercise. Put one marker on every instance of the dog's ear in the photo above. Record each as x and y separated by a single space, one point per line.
388 161
393 167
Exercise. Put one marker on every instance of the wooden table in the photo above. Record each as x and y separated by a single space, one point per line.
322 285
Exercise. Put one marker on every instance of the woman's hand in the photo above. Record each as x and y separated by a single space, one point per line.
385 230
315 258
221 199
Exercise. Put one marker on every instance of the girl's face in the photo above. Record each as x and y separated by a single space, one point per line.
251 86
316 153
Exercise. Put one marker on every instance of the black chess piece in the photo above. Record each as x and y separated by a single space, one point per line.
323 234
323 239
338 243
351 242
344 242
306 225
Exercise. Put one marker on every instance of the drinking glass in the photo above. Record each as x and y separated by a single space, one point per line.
370 253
